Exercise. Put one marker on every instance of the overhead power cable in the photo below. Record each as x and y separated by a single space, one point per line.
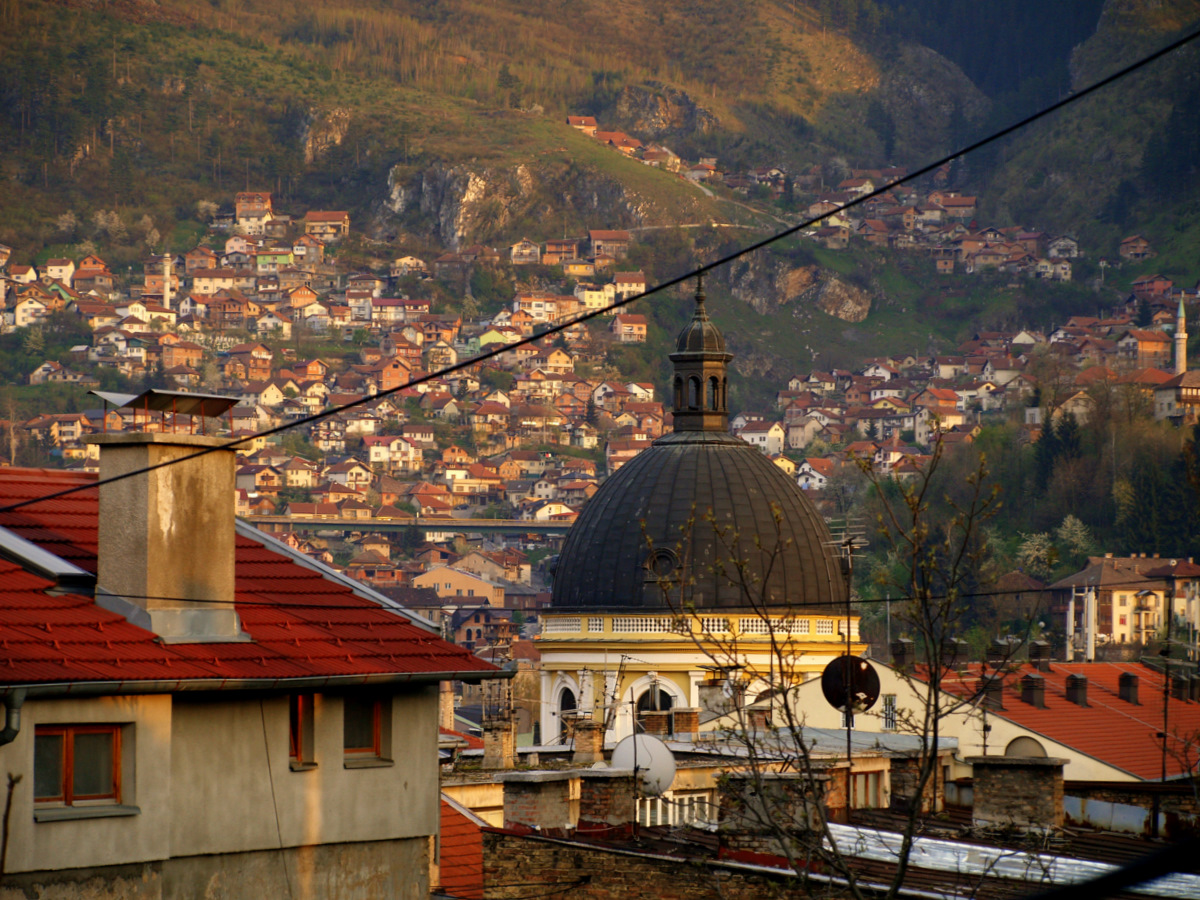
671 282
797 608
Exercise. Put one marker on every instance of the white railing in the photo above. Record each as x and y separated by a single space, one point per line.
562 625
676 809
714 625
774 625
595 624
644 625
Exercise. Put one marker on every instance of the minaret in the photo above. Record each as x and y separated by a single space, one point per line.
1180 340
701 373
167 265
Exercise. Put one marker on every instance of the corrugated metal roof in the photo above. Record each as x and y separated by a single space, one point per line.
302 624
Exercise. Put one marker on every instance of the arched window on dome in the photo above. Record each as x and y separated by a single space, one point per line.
678 392
693 392
714 393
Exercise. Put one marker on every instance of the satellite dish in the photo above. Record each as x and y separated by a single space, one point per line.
600 765
650 759
861 677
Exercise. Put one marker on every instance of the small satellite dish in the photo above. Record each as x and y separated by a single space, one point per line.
861 677
652 761
600 765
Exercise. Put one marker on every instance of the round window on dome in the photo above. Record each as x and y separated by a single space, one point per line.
662 562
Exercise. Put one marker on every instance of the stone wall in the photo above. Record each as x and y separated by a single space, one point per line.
529 866
1021 791
905 774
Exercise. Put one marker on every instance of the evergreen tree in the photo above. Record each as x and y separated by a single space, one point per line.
1045 451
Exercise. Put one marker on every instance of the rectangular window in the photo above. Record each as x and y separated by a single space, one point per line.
889 711
300 731
363 728
77 764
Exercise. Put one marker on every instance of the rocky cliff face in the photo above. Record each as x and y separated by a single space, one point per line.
465 204
767 283
656 111
922 93
843 301
322 130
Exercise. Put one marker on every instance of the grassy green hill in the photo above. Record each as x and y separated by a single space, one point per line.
123 121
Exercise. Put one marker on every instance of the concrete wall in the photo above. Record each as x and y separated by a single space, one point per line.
395 870
146 782
210 774
223 761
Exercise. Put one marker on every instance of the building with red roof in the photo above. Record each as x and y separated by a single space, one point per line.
187 697
1104 718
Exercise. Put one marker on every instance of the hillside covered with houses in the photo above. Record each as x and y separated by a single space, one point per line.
525 435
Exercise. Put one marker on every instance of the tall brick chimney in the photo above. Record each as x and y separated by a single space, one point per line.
607 802
499 742
538 802
589 741
166 538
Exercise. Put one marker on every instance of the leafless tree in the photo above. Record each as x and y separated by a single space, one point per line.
936 553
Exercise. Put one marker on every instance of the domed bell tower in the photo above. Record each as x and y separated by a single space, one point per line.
701 373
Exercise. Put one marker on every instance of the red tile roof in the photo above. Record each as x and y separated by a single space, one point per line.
461 851
1109 729
302 623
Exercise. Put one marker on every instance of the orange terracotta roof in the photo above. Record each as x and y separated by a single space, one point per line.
461 856
1109 729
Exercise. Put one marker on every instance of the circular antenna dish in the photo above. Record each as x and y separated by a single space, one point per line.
850 676
650 759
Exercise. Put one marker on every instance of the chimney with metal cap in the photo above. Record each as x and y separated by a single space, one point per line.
1033 691
165 558
1127 688
1179 687
1077 689
904 653
1039 655
991 690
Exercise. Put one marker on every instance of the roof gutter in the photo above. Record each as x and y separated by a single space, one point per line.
170 686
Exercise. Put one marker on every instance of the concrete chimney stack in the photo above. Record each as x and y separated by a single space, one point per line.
166 538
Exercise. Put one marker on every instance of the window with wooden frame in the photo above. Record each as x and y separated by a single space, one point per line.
365 724
77 765
301 745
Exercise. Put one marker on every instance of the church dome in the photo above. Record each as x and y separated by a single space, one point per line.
683 510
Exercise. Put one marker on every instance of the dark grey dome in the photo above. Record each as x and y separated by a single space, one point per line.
700 335
635 532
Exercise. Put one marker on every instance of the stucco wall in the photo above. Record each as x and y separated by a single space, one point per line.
146 754
210 774
225 770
